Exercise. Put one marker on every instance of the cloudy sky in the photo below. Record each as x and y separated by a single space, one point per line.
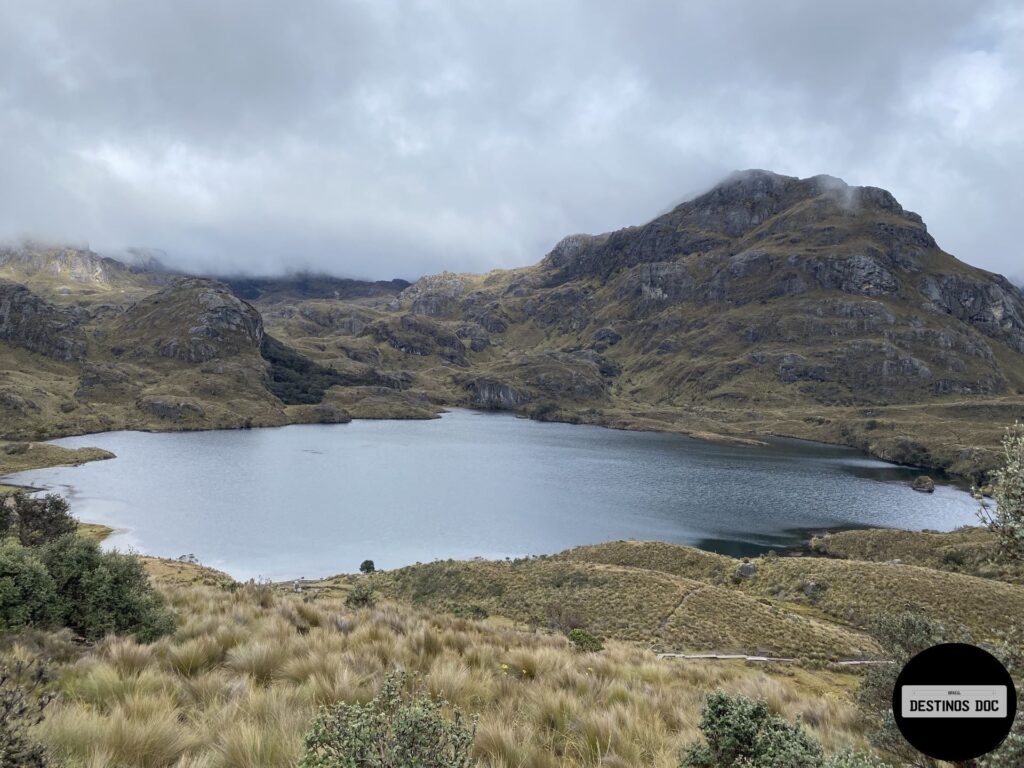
378 139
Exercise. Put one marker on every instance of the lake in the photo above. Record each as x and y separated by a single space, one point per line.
314 500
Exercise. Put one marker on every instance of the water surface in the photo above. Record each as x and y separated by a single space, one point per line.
313 500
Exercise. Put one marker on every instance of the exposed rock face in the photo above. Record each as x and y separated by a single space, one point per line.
170 410
496 395
995 306
73 264
193 320
435 295
28 321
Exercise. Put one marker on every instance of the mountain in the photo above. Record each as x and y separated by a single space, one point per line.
768 305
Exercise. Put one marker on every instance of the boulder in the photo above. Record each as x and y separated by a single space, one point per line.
923 484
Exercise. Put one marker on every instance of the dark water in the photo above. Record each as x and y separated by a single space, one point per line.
307 501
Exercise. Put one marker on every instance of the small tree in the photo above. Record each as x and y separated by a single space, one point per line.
27 593
102 592
366 566
397 729
1006 519
36 521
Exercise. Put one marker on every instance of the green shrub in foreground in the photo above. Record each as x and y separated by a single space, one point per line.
27 595
584 641
35 521
741 733
21 708
102 592
394 730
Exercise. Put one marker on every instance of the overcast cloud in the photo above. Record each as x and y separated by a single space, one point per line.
383 139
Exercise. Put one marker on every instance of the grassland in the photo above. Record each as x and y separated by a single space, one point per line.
18 457
851 593
969 550
660 610
238 683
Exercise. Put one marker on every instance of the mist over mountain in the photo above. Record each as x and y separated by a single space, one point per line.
375 141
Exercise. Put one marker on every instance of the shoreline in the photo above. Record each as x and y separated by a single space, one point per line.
602 420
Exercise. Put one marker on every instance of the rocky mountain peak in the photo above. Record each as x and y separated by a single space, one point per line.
755 211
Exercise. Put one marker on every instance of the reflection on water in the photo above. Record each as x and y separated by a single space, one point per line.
311 500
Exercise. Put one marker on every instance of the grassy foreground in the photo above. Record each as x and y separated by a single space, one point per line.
240 680
237 685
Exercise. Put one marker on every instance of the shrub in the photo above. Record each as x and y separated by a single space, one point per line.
743 732
36 521
901 637
27 595
366 566
584 641
361 596
1006 520
103 592
21 708
394 730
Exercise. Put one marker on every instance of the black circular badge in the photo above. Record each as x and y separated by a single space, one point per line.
954 702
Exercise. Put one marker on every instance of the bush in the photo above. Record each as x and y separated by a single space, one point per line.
102 592
36 521
366 566
394 730
1006 520
360 596
584 641
901 637
27 593
21 708
742 732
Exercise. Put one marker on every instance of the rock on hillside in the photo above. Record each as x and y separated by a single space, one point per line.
193 321
28 321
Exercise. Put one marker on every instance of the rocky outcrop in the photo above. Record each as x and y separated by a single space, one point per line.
492 394
77 265
28 321
193 321
993 305
436 295
170 409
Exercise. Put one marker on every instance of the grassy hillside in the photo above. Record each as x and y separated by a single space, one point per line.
238 683
967 550
657 609
849 592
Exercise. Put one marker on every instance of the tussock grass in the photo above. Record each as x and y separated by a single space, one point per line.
826 592
238 685
627 602
968 550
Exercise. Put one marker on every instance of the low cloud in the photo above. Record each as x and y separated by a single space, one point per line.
382 138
